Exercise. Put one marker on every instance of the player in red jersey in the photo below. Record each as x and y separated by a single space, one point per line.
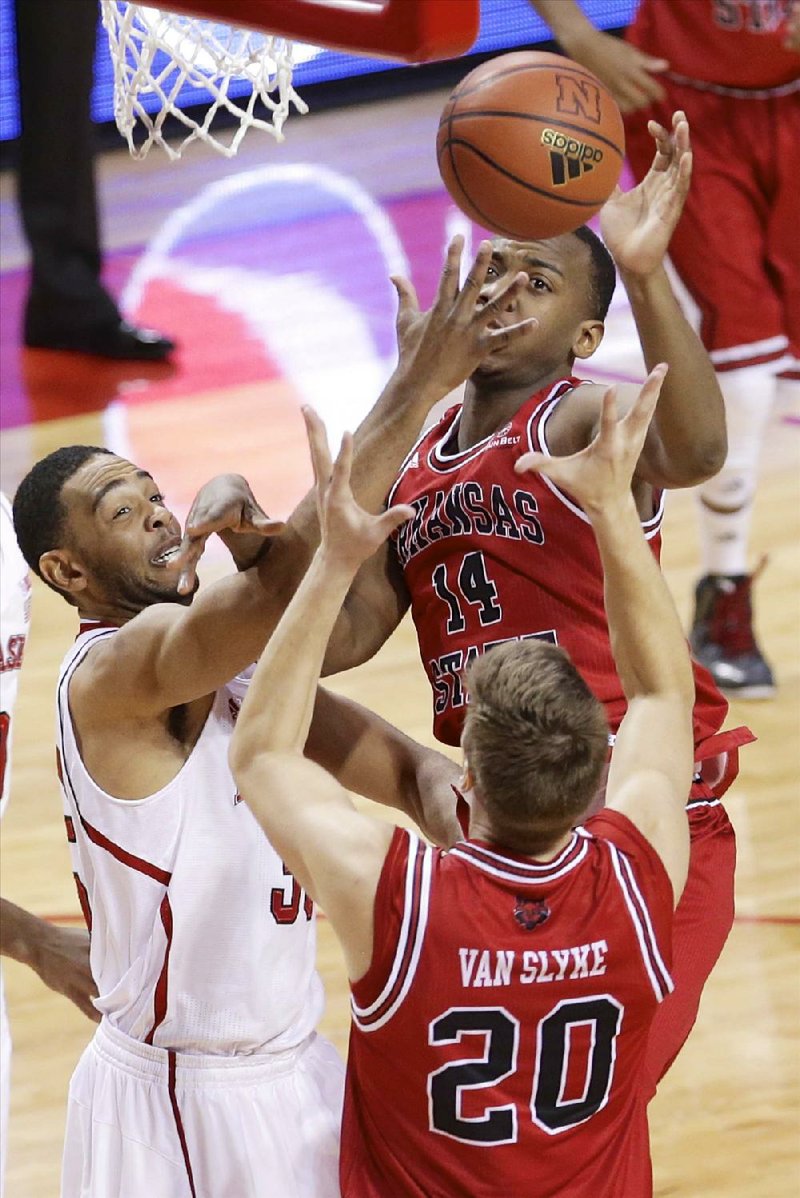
733 67
502 992
490 556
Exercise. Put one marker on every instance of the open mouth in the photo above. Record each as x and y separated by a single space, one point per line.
165 556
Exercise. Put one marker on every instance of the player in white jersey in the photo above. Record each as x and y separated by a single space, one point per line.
58 955
205 1076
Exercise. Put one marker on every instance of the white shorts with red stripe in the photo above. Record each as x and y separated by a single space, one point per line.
143 1122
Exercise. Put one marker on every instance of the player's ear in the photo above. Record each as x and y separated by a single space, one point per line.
61 570
588 337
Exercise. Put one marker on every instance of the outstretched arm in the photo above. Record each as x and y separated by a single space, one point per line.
60 956
652 762
687 440
334 851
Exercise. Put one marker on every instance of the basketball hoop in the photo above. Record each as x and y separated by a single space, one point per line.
155 53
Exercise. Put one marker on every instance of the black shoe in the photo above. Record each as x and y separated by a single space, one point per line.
121 341
722 637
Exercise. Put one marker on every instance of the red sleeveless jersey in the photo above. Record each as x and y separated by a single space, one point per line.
498 1038
493 556
727 44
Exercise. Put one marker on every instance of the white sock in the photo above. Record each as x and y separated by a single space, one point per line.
725 502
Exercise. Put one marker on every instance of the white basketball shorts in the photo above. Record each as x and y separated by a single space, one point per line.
146 1123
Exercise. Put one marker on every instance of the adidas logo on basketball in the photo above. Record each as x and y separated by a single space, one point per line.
569 158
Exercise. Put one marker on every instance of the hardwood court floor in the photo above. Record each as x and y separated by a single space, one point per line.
725 1123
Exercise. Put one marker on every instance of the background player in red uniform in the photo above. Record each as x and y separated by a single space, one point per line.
733 66
502 991
489 557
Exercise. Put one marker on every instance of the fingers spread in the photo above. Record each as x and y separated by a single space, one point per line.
531 463
451 273
317 444
512 331
340 476
391 519
608 413
189 554
641 412
477 275
407 302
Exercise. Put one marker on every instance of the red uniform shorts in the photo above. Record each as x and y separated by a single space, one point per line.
736 247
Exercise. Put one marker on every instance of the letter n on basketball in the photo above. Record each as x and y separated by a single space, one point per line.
578 98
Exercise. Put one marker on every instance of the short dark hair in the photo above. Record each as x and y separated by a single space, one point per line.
536 740
604 273
39 511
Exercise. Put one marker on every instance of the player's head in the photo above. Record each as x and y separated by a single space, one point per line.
535 739
572 280
95 529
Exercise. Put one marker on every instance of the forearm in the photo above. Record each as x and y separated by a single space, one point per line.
689 422
566 20
386 434
276 714
370 756
647 639
20 934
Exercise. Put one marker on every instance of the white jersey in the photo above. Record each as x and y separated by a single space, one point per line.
201 941
15 614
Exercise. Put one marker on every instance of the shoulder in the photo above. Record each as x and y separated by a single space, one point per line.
625 838
573 416
117 660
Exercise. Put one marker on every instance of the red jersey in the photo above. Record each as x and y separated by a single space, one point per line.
498 1037
727 44
493 556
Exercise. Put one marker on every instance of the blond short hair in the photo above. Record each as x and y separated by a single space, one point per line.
536 740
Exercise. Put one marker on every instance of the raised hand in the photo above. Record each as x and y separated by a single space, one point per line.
599 476
637 225
349 534
445 345
227 506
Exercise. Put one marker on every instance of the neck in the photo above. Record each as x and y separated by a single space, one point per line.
481 829
489 403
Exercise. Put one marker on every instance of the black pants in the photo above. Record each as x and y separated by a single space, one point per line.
56 185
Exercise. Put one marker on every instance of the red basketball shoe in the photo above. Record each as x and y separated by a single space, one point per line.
722 637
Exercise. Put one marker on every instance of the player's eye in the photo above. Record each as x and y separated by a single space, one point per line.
540 284
157 498
121 511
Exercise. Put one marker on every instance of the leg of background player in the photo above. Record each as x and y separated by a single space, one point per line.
68 307
722 250
722 634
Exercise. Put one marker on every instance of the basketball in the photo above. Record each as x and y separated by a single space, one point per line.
530 145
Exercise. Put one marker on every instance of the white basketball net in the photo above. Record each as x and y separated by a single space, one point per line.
204 54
